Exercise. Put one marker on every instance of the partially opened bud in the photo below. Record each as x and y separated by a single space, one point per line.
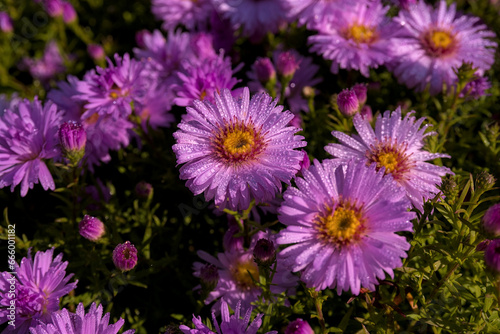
125 256
143 189
361 92
69 13
91 228
287 64
264 252
299 326
348 103
209 275
72 138
264 70
96 51
5 22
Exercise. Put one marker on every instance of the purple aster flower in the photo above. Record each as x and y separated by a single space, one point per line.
201 80
436 42
40 283
91 228
28 136
299 326
304 76
110 91
492 256
404 4
153 109
255 17
238 149
125 256
230 324
491 221
313 12
238 273
5 22
358 38
45 68
476 88
92 322
396 145
191 13
342 222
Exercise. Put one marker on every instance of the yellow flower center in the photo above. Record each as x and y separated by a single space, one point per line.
237 143
361 34
203 95
245 273
113 95
341 226
92 119
391 156
389 160
439 42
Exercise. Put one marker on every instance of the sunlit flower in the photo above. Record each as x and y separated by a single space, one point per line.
342 223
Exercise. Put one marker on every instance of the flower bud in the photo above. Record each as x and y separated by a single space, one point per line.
264 252
483 245
229 241
54 7
125 256
5 22
492 256
299 326
287 64
491 221
449 188
96 51
296 121
264 70
348 103
361 91
305 163
143 189
72 138
69 13
485 181
91 228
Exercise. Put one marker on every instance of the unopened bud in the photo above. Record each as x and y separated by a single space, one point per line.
485 181
491 221
69 13
264 252
143 189
72 138
287 64
209 276
5 22
492 256
264 70
299 326
361 92
348 103
91 228
125 256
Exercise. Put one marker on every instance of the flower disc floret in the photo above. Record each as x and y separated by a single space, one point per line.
341 225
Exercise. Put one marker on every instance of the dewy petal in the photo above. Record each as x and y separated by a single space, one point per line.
328 260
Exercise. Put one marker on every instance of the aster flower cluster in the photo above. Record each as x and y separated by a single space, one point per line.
272 160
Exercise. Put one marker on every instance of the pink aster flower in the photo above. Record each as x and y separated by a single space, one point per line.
110 91
230 324
238 272
435 42
358 38
202 79
92 322
238 149
342 222
46 67
313 12
191 13
104 132
40 283
255 17
395 145
28 137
